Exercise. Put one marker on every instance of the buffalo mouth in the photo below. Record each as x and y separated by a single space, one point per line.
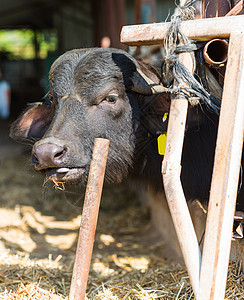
65 175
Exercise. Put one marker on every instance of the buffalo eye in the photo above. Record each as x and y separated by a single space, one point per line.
112 99
47 100
50 97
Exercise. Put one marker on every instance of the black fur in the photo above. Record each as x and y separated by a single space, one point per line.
80 82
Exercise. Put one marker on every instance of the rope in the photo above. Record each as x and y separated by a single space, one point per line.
173 69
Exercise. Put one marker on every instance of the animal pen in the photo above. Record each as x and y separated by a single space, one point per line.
207 270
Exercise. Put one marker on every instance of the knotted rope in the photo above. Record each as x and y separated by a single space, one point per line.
173 69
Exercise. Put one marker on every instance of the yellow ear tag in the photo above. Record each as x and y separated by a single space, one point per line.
162 143
162 138
165 117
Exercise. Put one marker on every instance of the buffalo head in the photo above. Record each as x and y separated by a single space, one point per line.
94 93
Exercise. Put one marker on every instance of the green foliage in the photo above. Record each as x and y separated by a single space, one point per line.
20 44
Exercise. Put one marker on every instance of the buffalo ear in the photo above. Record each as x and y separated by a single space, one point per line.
32 124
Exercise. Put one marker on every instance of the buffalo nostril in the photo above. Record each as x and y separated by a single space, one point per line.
48 155
60 153
35 159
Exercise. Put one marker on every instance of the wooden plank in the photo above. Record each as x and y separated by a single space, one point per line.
89 220
222 201
201 29
171 169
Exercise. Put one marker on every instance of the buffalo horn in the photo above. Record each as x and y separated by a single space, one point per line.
142 84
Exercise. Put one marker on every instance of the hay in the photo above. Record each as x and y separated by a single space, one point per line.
36 261
25 278
59 185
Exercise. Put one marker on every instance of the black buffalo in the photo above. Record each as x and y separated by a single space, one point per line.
107 93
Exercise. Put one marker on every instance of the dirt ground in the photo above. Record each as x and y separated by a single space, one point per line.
38 235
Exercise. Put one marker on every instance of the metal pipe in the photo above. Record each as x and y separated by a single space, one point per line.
171 169
215 52
89 220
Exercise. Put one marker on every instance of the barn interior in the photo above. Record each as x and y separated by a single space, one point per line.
48 29
39 224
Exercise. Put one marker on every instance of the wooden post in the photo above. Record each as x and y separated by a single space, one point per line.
171 169
228 153
109 17
89 220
